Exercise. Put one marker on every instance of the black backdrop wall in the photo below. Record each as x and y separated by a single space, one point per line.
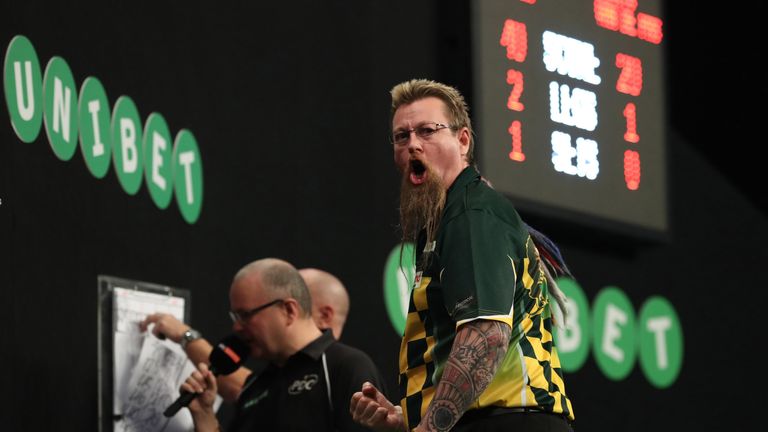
289 105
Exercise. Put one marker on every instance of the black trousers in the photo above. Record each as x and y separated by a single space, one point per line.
532 421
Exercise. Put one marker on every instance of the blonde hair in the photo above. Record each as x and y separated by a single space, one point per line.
456 108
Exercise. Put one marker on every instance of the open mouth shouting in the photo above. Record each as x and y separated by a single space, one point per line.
418 172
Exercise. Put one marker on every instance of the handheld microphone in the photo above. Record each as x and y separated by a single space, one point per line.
227 356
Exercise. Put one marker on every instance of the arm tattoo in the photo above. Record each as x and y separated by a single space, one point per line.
477 351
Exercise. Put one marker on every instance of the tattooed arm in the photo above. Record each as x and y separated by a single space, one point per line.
477 351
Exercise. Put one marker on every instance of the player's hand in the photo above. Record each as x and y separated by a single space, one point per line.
370 408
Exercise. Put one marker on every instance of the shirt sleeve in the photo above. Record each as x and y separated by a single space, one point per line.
480 257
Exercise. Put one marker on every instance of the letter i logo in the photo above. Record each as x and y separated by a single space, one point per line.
95 134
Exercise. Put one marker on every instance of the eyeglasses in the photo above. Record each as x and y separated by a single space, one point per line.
245 315
423 131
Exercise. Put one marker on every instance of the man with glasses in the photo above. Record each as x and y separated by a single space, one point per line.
310 378
477 353
330 308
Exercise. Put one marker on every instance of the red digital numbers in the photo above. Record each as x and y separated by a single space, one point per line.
630 114
631 78
515 129
649 28
515 79
514 37
630 82
620 16
632 169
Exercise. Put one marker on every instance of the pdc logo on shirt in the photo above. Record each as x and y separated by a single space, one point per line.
301 385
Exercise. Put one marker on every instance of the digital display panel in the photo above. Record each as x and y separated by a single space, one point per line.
570 108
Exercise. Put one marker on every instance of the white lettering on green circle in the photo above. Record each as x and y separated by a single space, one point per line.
613 333
572 342
661 342
95 131
187 176
60 115
23 86
126 136
157 160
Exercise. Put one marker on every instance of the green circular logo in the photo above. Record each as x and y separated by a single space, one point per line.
157 160
613 333
572 342
60 115
126 133
661 342
95 133
187 176
399 272
23 88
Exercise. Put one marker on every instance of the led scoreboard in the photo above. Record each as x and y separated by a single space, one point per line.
570 115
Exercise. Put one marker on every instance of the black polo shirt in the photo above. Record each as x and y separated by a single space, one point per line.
295 397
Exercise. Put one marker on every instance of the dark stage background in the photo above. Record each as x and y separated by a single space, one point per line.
289 105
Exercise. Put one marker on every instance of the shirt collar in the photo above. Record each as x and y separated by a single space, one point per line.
465 177
317 347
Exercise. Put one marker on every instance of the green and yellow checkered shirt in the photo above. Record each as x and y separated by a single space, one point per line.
483 266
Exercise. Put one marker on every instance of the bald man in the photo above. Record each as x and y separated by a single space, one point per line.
330 301
310 378
330 307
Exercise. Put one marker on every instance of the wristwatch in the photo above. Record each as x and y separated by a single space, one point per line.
188 337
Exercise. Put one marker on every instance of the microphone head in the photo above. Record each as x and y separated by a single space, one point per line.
228 355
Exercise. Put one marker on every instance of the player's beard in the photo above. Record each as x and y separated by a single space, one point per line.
421 206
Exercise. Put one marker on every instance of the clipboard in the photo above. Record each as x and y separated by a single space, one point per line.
122 303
